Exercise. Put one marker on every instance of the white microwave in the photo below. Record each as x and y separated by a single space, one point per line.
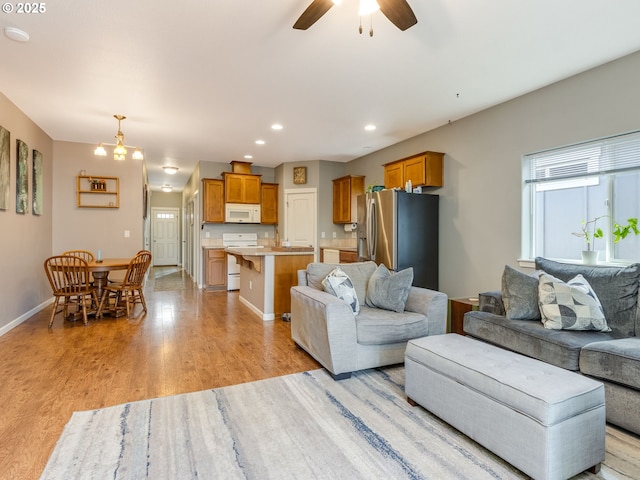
242 213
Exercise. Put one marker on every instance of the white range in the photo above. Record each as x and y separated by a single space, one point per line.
238 241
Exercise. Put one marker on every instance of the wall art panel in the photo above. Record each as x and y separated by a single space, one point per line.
22 177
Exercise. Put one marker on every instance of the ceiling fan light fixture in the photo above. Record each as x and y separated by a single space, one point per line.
367 7
170 170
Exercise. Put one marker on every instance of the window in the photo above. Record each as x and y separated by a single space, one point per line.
564 186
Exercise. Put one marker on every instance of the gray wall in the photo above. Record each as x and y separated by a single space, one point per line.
26 239
96 229
481 201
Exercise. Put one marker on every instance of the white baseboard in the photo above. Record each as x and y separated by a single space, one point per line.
25 316
257 311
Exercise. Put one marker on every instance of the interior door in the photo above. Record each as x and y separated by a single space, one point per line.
165 227
301 217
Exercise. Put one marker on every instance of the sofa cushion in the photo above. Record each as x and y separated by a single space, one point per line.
338 283
616 288
520 294
375 326
616 361
359 274
570 306
389 290
557 347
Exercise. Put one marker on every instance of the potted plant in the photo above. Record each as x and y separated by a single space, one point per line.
590 231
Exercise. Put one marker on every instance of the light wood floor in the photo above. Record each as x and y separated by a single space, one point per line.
189 340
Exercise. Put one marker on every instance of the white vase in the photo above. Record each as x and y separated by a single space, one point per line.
590 257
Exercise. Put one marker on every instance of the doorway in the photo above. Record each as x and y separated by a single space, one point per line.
165 235
301 217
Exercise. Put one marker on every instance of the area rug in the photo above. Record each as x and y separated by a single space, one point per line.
299 426
170 282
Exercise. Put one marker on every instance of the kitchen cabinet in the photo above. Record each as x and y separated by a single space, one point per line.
97 192
348 256
345 192
215 268
213 200
425 169
269 204
241 188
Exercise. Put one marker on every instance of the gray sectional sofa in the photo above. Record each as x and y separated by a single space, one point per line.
507 318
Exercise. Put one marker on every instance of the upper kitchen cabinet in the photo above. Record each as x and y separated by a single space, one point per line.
269 210
424 169
213 200
345 191
241 188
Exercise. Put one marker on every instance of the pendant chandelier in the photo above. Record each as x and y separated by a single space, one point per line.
120 151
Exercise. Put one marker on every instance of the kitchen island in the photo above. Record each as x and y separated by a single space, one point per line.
267 275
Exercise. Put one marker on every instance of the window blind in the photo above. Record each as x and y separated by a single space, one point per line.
589 159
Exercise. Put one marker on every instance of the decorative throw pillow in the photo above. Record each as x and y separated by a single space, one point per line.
339 284
389 291
520 294
570 306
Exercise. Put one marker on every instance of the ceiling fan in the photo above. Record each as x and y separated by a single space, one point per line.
397 11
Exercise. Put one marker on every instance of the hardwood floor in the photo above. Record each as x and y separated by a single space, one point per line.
189 340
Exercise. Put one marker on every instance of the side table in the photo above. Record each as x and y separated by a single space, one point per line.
457 308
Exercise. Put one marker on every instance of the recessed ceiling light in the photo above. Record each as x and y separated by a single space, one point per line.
260 142
170 170
16 34
276 126
370 128
248 157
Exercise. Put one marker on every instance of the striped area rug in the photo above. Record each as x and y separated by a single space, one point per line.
299 426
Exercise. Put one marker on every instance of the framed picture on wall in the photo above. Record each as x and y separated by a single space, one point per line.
22 177
299 175
4 168
37 183
145 200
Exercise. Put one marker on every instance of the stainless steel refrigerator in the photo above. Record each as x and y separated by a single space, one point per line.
400 229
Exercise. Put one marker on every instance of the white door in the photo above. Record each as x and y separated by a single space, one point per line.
165 228
301 217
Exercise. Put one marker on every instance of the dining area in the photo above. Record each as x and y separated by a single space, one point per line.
85 285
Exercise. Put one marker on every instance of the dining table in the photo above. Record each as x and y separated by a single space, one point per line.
100 271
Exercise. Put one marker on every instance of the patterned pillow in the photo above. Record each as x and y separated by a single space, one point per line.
570 306
338 283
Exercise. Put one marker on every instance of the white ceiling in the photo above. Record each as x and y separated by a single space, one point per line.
202 80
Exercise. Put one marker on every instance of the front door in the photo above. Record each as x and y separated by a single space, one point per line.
165 228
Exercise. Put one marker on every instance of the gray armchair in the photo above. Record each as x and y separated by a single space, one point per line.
326 327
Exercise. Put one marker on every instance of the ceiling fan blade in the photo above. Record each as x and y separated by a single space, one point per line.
398 12
313 13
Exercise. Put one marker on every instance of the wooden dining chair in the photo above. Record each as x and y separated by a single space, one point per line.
87 255
130 289
70 281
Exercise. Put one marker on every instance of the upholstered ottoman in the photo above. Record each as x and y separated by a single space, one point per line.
544 420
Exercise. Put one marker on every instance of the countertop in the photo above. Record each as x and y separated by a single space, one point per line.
268 251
